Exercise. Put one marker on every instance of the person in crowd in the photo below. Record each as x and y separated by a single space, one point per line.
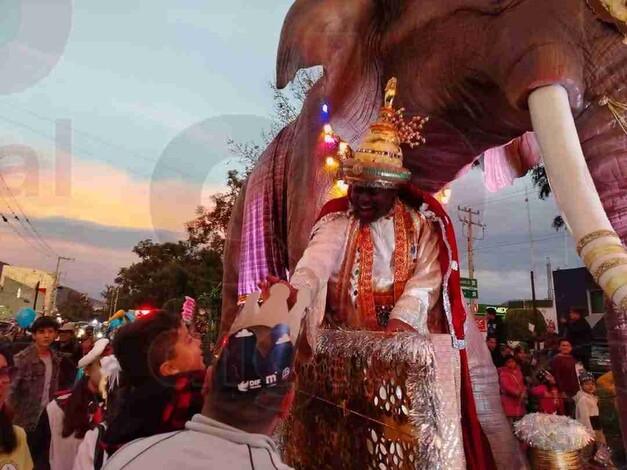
162 376
587 405
71 352
66 343
251 390
37 377
495 351
506 350
496 327
550 340
547 393
523 358
88 341
579 332
65 421
91 454
14 451
564 369
513 389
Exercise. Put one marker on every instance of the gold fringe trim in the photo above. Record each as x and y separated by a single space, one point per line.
617 109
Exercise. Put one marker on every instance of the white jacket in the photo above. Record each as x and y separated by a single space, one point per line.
62 449
86 452
587 406
205 444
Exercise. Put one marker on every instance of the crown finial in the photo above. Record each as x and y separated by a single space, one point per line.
390 92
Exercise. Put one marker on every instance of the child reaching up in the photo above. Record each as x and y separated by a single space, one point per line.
549 398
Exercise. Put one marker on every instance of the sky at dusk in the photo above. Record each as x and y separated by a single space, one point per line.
114 125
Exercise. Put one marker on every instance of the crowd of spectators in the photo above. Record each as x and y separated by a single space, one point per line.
553 377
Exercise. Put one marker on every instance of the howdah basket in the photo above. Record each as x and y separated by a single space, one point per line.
367 400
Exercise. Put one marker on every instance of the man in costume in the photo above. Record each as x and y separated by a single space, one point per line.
385 258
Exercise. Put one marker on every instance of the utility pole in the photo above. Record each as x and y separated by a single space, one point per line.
533 252
51 301
468 223
549 279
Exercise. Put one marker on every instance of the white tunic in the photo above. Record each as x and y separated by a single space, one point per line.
322 260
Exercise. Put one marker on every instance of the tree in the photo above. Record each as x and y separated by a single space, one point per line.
166 271
210 226
76 307
541 182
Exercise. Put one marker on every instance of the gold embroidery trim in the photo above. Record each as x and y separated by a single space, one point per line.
346 271
623 305
402 222
594 236
590 257
365 300
606 266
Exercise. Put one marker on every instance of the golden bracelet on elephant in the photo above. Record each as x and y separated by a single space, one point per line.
614 284
594 236
606 266
590 257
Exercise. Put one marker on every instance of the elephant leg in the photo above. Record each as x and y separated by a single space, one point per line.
598 244
230 263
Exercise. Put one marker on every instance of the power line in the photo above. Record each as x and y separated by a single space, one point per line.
26 240
19 207
526 242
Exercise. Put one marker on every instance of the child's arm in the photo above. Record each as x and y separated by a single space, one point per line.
582 413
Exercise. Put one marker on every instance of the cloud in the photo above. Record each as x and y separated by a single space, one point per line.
503 257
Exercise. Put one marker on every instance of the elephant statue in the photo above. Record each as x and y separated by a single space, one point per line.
515 82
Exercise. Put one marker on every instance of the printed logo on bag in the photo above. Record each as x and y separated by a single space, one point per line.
247 385
286 373
271 379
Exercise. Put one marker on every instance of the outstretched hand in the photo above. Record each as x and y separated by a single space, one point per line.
272 280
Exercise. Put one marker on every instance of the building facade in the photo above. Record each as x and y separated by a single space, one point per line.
29 277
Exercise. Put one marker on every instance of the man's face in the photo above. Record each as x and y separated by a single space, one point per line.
574 315
44 337
566 347
492 344
65 336
371 204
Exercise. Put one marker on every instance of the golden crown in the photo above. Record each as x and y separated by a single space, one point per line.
379 159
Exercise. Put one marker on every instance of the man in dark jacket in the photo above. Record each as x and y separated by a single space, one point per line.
579 332
496 328
37 376
71 352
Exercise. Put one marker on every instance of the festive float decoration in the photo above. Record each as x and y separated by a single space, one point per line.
555 441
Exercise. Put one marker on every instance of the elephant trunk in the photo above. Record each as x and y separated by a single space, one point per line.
597 243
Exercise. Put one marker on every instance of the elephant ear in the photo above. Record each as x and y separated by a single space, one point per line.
338 35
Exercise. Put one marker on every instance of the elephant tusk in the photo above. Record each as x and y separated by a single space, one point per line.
573 188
